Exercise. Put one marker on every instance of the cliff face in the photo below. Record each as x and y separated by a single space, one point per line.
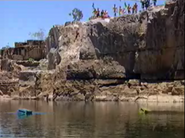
149 45
98 59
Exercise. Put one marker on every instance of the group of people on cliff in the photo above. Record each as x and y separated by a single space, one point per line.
97 13
120 11
126 8
146 3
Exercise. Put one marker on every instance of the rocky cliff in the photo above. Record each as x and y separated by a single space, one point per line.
150 45
114 59
32 49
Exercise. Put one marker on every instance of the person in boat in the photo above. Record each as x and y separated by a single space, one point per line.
135 8
120 11
129 9
115 10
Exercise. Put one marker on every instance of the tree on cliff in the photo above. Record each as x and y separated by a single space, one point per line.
40 35
77 14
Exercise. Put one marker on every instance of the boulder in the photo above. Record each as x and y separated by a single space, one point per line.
95 69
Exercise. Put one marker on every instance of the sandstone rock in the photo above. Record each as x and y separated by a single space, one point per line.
134 41
168 90
178 91
27 76
27 63
134 82
27 91
90 69
8 87
183 82
53 59
109 82
1 93
130 92
44 82
27 84
32 49
6 65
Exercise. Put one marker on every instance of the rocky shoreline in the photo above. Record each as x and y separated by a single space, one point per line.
127 91
133 58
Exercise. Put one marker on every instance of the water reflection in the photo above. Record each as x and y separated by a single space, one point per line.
22 116
92 120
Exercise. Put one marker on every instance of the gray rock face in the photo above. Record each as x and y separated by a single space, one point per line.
53 59
32 49
95 69
27 84
150 44
6 65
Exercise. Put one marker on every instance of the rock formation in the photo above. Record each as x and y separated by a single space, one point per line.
32 49
124 58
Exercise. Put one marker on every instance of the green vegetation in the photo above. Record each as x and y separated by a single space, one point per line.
40 35
76 14
30 60
143 111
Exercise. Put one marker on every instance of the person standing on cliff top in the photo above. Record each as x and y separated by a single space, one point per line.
126 7
120 11
154 1
106 15
102 13
94 12
115 10
129 9
143 4
147 4
98 12
135 8
123 10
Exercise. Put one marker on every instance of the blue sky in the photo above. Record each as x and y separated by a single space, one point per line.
19 18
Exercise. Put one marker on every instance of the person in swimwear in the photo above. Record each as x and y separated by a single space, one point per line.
129 9
120 11
115 10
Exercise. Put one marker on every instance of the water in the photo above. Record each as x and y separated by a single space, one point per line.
90 120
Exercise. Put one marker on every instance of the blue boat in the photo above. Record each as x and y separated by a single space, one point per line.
24 112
